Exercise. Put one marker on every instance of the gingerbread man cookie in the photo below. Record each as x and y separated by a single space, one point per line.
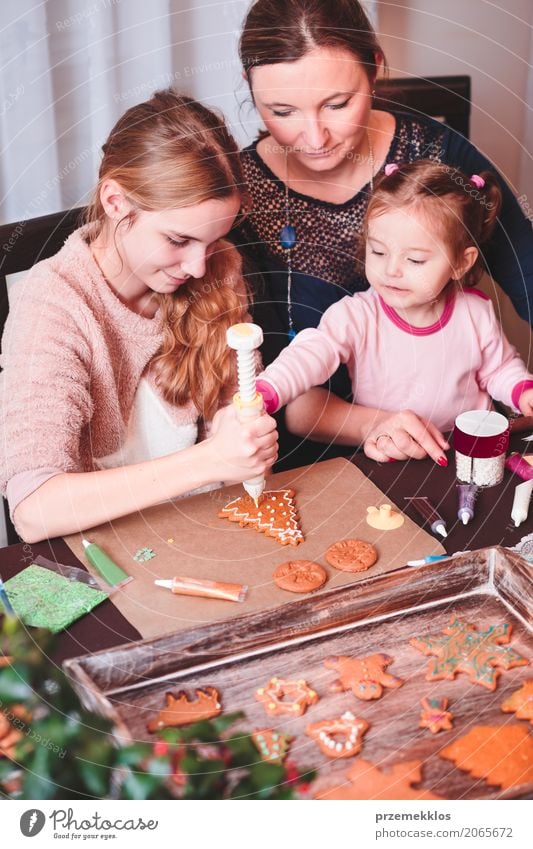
351 555
327 732
435 716
275 515
364 676
285 697
520 702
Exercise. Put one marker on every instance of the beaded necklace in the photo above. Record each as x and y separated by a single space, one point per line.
288 237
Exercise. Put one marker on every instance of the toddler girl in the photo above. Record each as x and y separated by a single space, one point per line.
421 337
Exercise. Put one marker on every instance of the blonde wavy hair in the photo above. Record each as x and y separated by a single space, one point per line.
168 153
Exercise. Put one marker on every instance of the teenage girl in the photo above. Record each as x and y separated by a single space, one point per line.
114 355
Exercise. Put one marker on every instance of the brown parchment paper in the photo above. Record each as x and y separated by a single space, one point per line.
331 497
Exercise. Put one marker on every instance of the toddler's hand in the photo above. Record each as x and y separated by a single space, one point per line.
525 403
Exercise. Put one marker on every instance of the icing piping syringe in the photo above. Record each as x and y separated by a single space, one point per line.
245 339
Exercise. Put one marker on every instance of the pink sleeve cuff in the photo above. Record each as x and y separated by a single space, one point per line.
270 396
519 389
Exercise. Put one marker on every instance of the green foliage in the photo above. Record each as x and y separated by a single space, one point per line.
219 767
66 752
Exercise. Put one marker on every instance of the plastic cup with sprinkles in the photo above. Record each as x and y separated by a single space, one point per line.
481 440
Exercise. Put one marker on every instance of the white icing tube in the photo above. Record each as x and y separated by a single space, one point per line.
522 497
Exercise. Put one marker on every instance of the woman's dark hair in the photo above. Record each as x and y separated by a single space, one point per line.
286 30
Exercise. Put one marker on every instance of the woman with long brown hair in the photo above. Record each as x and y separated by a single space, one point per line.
311 66
114 352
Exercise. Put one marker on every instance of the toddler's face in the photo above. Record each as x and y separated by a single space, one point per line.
407 262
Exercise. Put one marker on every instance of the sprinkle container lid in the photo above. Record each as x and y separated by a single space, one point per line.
481 433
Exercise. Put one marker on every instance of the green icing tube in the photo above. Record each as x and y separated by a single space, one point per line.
107 568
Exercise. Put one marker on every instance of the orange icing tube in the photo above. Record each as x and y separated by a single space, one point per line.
208 589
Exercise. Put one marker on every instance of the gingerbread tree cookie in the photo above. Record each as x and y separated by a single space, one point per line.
365 781
272 746
502 755
461 648
364 676
520 702
275 516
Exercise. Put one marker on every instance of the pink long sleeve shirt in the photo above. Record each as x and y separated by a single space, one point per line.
454 365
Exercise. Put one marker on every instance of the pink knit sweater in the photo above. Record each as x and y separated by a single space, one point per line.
73 355
457 364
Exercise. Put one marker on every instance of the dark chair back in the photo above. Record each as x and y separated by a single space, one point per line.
444 98
22 244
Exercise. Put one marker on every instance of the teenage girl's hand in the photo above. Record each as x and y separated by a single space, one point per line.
405 435
242 450
526 403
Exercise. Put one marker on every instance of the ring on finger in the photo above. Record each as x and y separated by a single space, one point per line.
384 436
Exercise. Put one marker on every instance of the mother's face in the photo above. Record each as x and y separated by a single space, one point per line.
318 107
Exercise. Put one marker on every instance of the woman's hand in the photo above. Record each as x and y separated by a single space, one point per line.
243 450
405 435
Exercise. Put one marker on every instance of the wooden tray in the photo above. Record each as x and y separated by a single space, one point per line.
379 614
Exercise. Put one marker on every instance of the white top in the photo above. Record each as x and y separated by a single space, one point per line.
152 433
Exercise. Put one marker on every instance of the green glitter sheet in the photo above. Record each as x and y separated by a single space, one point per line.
43 599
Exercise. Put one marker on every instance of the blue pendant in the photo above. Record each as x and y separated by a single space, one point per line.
287 237
291 333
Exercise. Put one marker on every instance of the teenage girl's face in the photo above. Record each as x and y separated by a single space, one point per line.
408 263
160 251
318 107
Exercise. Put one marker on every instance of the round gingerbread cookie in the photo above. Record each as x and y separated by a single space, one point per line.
300 576
351 555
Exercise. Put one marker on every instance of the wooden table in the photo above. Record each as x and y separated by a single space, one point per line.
492 525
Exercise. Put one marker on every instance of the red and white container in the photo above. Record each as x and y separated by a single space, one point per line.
481 441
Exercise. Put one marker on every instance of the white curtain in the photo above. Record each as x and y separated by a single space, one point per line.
371 8
68 70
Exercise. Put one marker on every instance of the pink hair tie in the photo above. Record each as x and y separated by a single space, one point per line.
390 168
478 181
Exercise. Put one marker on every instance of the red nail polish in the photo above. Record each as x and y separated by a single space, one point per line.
391 460
442 461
